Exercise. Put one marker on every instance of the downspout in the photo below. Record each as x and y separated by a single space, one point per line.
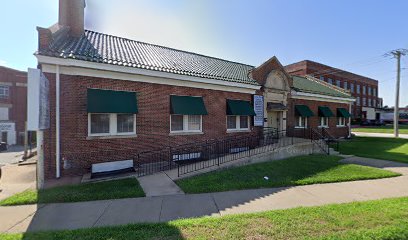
57 121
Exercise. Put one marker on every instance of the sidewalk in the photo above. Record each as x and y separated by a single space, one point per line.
166 208
16 179
384 135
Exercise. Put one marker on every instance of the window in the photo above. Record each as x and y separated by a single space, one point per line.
345 85
185 123
125 123
364 90
100 123
352 87
369 90
338 83
324 121
177 123
111 124
374 92
330 81
374 103
4 91
301 122
358 89
4 113
341 122
237 122
364 101
358 101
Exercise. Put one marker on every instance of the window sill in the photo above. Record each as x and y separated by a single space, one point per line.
238 130
323 126
341 126
185 133
111 137
300 127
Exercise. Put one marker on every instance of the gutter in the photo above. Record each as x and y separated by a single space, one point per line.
57 122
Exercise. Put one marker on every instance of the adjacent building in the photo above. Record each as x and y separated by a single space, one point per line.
13 105
364 89
111 98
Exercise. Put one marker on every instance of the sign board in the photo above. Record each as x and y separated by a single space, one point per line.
259 110
38 103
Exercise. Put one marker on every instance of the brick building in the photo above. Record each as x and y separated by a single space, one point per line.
13 105
112 98
364 89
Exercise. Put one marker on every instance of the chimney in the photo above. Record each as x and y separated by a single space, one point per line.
72 15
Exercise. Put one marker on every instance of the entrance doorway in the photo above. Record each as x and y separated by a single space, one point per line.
4 137
274 119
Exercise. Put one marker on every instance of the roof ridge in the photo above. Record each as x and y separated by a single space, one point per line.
156 45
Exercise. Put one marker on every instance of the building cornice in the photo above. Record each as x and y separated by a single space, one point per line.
84 68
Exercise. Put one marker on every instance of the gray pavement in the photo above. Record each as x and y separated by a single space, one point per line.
16 179
166 208
159 184
13 155
385 135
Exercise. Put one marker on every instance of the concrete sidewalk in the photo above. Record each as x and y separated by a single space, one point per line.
165 208
384 135
16 179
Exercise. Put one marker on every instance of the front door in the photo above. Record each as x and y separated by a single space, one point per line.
274 119
4 137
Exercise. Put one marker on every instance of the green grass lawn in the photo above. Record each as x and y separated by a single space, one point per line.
293 171
380 148
403 129
381 219
123 188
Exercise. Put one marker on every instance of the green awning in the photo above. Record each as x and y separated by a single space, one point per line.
303 110
187 105
239 108
325 112
342 112
108 101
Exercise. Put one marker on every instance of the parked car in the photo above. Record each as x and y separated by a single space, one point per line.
3 146
379 123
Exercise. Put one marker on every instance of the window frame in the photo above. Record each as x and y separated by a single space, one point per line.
113 126
185 124
299 122
237 123
341 122
321 122
5 91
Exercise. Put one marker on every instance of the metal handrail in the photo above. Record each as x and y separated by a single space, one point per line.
318 139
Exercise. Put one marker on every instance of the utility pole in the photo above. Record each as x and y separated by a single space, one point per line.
397 54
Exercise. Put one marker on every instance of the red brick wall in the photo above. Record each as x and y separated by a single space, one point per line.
314 122
152 122
17 98
309 67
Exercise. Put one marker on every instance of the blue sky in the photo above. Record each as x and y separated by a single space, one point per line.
348 34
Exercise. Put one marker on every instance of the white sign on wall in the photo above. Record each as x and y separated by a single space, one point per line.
259 110
38 104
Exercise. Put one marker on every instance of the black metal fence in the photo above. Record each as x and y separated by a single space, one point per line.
194 157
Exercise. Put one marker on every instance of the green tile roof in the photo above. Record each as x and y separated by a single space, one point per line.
313 85
103 48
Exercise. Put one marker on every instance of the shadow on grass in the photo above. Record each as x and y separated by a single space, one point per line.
124 232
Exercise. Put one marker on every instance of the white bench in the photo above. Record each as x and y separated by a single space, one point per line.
107 168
